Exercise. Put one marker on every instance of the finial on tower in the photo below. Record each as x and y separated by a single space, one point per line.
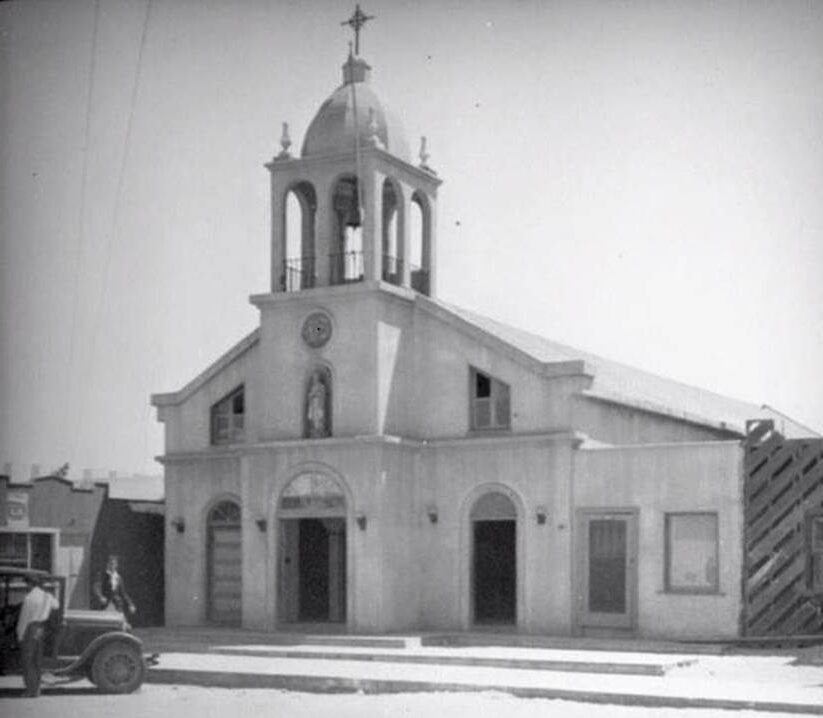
424 156
285 143
372 129
356 21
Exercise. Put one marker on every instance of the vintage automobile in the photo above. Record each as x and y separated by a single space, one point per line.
97 645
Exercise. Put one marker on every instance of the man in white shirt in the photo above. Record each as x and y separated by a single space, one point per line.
31 628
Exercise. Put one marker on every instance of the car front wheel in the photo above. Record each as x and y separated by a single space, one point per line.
118 668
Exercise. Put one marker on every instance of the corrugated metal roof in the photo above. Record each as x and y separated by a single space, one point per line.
624 384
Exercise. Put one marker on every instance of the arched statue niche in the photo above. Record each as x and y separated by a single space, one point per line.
317 414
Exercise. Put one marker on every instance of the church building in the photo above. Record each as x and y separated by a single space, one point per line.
371 459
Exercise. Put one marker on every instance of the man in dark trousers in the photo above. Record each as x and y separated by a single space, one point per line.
31 631
111 591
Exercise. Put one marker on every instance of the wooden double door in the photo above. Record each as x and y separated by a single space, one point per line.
312 574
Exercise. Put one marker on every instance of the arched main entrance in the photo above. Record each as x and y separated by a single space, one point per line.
494 560
311 522
224 553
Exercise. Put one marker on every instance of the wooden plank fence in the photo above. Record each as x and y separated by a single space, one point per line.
783 485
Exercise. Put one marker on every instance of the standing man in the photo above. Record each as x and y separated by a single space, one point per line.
111 591
31 629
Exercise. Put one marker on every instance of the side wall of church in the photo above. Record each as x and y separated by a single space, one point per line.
444 356
657 480
618 424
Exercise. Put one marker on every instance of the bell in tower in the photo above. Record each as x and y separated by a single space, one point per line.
347 256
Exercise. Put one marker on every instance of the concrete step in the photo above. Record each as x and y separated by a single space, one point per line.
444 657
759 684
588 643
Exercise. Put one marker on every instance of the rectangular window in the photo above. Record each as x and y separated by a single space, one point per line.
228 418
27 549
490 403
691 553
814 528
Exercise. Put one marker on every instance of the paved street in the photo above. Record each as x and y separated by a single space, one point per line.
158 700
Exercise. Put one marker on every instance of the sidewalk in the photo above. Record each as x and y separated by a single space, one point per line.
595 670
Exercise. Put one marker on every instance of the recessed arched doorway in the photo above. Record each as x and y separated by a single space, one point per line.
311 520
224 551
493 560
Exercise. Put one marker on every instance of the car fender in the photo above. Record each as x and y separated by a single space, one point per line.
87 656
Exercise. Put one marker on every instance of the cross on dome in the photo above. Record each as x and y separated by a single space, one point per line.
356 21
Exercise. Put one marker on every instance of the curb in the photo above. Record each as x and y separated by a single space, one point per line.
325 684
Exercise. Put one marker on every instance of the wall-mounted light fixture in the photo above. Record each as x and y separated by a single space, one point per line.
179 524
541 515
361 521
262 524
431 512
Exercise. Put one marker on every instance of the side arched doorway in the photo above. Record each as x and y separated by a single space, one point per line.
311 521
224 552
493 560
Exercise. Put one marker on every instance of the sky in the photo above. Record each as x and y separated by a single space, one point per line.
641 180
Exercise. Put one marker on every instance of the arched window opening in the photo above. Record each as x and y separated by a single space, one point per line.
419 227
225 561
317 416
392 241
347 249
299 262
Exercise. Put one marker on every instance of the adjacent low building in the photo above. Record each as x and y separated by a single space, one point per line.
70 528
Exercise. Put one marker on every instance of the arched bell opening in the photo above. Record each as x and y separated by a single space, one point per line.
392 239
298 238
420 226
346 260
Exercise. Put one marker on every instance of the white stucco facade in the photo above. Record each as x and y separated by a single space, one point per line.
398 532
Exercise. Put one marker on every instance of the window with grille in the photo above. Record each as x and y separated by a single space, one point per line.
490 402
27 549
228 418
814 526
691 553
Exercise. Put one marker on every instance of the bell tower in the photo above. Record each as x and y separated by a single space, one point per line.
364 211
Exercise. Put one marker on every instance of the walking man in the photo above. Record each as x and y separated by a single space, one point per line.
111 591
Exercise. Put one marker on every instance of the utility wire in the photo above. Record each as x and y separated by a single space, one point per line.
357 163
81 218
117 200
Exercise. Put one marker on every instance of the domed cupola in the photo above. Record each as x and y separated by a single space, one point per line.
353 207
354 109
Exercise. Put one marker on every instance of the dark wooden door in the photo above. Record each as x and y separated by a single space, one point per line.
225 564
607 561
